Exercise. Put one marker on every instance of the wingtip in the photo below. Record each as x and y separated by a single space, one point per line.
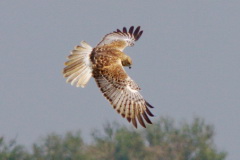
140 120
149 105
131 29
137 33
125 30
149 112
134 122
146 118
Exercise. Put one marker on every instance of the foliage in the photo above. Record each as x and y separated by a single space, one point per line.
164 140
57 147
12 151
117 143
187 142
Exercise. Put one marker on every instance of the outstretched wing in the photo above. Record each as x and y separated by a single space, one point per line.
122 92
121 39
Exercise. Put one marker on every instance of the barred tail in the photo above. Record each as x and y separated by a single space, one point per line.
78 68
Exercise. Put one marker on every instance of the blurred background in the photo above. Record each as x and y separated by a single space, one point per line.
186 62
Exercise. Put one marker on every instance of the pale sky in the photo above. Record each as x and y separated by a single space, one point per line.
187 63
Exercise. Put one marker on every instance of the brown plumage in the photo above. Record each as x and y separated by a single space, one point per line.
105 63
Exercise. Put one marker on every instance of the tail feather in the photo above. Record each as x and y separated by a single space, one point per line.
78 68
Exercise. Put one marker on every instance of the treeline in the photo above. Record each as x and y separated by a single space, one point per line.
162 141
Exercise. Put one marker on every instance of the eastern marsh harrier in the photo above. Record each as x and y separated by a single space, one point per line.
105 63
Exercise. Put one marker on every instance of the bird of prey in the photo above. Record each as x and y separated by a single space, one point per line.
105 64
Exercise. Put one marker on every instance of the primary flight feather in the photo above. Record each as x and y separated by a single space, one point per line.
105 63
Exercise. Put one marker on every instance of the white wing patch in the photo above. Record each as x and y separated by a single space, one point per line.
78 68
130 89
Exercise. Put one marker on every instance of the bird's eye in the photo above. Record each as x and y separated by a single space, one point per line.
131 44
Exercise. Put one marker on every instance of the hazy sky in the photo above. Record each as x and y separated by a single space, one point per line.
187 63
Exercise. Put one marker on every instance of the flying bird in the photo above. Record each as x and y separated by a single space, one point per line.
105 64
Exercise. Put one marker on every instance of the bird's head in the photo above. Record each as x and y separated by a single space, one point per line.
127 62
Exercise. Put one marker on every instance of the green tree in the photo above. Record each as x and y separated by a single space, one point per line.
186 142
129 144
103 146
164 140
57 147
118 142
12 151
